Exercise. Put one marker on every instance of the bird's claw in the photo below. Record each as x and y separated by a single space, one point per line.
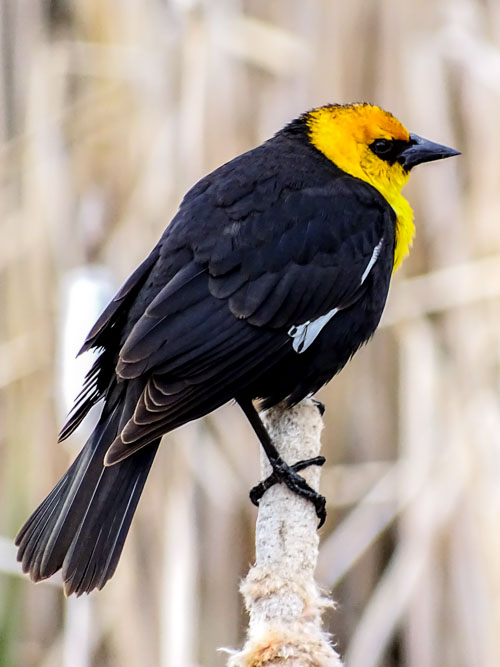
283 473
319 405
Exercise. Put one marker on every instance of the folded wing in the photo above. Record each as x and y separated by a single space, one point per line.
229 313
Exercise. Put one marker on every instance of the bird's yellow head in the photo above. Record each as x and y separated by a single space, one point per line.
369 143
349 135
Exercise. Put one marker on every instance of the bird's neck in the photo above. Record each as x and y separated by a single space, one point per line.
390 184
337 134
405 228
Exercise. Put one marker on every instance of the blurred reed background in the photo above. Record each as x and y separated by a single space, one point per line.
109 111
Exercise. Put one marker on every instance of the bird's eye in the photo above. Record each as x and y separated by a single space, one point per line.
382 147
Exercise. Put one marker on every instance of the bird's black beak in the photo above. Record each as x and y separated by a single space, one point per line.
422 150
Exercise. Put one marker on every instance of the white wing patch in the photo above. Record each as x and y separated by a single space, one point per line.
373 259
305 334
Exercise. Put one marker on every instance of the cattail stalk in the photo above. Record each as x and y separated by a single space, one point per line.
281 596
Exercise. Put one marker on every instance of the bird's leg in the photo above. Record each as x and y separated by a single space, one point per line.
282 472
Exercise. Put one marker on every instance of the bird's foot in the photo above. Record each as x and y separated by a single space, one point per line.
319 405
283 473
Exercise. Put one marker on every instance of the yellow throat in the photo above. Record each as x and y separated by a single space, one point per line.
344 134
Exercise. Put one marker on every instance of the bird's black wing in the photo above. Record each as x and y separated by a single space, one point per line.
105 336
302 257
259 267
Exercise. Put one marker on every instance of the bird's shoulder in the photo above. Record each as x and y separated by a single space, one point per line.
273 230
273 191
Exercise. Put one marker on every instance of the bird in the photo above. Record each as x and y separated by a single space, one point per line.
274 271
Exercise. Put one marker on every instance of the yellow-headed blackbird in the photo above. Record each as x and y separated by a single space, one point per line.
274 271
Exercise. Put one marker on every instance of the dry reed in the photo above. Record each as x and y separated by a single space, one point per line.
108 113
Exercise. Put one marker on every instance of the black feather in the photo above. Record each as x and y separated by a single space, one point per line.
274 239
88 504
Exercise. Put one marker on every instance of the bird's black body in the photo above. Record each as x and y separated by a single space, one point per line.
274 271
257 247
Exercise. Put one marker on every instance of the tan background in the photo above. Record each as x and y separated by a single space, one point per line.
109 111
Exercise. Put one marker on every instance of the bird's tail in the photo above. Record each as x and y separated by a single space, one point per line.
82 524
